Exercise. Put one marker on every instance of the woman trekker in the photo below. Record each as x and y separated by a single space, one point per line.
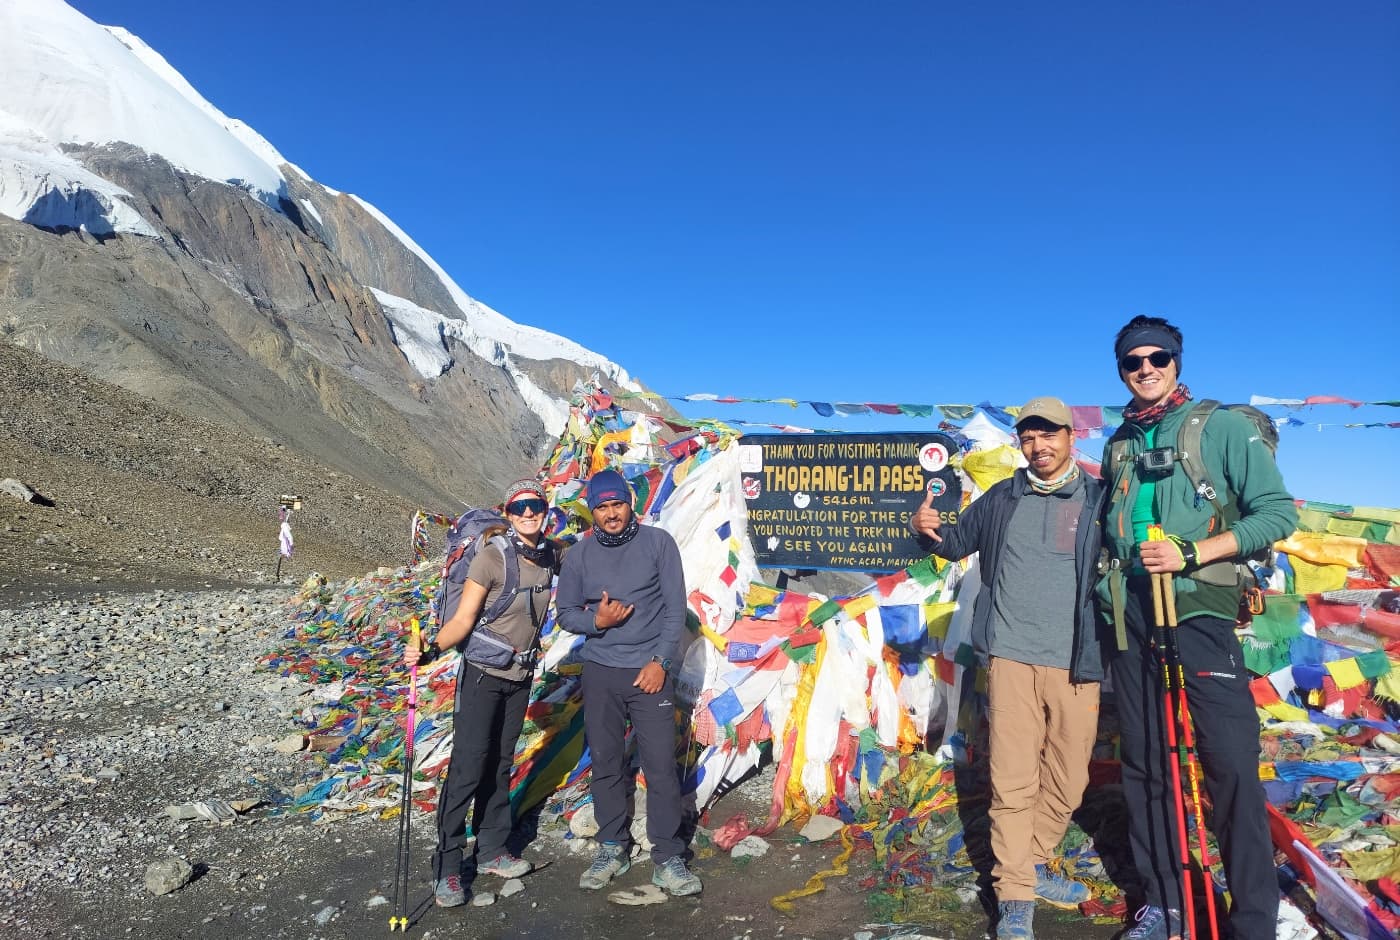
490 705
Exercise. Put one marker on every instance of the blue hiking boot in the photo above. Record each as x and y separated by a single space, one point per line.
1014 920
1058 890
1153 923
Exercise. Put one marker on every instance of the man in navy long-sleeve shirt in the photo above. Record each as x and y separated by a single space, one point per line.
623 590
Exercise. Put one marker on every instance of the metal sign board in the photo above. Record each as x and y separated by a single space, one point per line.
842 502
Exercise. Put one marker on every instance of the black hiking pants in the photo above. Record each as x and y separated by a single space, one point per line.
486 722
1227 743
609 701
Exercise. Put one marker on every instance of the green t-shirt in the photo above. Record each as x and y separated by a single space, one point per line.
1144 513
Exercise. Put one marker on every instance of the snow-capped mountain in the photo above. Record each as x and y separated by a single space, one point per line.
268 300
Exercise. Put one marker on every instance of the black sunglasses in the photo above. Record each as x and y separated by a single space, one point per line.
1159 360
521 506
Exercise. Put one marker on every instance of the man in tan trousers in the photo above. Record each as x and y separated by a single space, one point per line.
1035 629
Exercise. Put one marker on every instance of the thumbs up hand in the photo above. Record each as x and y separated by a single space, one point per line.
925 520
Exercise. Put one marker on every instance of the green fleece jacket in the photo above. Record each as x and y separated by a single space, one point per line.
1238 463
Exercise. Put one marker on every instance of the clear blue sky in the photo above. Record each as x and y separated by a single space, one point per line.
890 202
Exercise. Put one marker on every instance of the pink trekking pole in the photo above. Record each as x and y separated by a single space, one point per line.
402 864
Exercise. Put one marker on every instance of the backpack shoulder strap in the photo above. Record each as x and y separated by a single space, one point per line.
1188 453
1115 457
510 584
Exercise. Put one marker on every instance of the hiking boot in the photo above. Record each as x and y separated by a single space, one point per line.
1153 923
1058 890
506 866
675 878
610 862
448 891
1014 920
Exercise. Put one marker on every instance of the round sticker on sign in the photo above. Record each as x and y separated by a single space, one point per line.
937 487
933 457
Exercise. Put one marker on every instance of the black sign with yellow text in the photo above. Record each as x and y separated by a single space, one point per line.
842 502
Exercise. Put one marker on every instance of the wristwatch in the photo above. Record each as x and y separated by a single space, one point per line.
431 652
665 664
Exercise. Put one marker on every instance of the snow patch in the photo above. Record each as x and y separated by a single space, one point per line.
311 211
43 186
528 341
417 332
422 337
75 82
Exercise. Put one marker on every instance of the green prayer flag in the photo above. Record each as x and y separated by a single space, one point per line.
1341 809
801 654
1373 665
924 572
1262 658
1279 621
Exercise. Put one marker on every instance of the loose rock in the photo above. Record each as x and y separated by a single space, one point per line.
166 875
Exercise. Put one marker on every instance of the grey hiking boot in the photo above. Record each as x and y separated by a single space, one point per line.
506 866
1153 923
1058 890
1014 920
448 891
610 862
675 878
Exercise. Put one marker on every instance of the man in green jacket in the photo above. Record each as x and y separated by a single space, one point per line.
1240 508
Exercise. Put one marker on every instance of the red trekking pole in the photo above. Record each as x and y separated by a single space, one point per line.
1187 751
1181 748
403 854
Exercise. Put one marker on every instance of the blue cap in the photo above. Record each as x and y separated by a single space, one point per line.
605 486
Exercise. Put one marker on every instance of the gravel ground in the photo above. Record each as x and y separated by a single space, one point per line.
118 706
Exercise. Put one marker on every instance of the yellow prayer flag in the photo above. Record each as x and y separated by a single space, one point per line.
720 641
938 614
1324 549
1285 712
859 605
1376 514
600 450
1345 673
989 467
760 595
1388 685
1374 863
1309 578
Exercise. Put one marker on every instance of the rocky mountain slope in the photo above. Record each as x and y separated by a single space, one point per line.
291 331
143 494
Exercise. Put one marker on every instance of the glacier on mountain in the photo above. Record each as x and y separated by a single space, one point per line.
66 80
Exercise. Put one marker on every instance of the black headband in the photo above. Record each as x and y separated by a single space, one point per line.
1146 336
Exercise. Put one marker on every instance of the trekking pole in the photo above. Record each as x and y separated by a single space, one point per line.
403 854
1192 762
1162 587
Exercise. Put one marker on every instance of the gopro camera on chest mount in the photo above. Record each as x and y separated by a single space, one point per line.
1157 462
